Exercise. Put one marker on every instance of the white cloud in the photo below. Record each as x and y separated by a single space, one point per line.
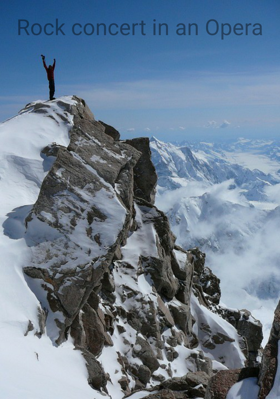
147 129
273 193
197 89
131 129
182 128
240 241
224 125
212 124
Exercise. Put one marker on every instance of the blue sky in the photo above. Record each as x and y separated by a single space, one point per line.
174 87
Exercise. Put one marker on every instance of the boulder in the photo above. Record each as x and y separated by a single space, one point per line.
94 330
182 316
96 375
220 383
144 351
165 314
144 374
161 273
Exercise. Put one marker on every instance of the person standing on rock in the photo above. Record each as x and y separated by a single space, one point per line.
50 74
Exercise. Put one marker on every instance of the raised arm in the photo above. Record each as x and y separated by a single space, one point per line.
45 66
53 63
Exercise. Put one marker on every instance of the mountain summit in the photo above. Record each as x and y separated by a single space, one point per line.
90 263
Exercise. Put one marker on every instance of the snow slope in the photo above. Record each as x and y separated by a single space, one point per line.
231 211
245 389
42 370
32 365
209 328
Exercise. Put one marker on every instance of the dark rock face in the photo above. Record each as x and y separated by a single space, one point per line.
207 284
96 376
145 177
111 131
249 328
270 361
210 285
199 260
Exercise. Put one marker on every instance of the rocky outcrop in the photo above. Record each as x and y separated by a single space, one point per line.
192 384
64 228
207 289
206 283
249 329
111 131
145 177
221 383
270 360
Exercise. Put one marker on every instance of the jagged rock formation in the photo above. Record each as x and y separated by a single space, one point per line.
266 373
207 289
270 361
111 131
249 328
145 178
107 271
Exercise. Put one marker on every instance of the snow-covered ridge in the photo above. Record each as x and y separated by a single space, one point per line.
90 263
29 363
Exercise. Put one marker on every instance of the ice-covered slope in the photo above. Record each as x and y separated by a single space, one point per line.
230 211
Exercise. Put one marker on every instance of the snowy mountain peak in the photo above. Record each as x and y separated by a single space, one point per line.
90 263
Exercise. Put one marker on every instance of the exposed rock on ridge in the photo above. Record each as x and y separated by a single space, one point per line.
65 230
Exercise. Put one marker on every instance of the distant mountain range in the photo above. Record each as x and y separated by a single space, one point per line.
224 198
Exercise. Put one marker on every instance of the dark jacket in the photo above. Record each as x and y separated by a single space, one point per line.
50 70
